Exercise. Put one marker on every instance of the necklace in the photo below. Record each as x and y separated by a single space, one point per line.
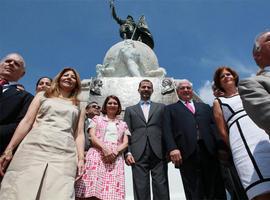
232 95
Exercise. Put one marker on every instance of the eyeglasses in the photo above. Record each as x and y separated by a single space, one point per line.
95 106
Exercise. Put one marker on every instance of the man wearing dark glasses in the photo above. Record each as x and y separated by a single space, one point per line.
92 109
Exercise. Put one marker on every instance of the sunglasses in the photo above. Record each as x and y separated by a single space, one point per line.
95 106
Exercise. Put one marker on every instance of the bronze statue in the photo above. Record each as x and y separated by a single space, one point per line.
130 30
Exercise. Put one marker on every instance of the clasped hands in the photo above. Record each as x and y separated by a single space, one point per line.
109 156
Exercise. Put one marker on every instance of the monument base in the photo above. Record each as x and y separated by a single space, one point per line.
126 89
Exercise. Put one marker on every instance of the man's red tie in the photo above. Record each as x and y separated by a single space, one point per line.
3 82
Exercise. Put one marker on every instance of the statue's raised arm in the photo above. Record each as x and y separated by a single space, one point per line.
117 19
130 30
127 26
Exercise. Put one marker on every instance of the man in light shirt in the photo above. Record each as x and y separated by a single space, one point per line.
145 150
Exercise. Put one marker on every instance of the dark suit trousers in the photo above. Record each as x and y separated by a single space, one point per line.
232 182
201 176
150 163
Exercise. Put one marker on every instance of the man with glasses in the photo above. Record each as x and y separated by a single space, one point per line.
13 102
91 110
190 140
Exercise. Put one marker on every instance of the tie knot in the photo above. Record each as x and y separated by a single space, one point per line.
189 106
145 103
3 82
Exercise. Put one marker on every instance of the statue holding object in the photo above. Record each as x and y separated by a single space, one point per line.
134 56
130 30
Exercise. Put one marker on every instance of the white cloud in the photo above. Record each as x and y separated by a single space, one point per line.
244 70
206 94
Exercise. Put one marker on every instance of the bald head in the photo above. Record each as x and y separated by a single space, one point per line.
12 67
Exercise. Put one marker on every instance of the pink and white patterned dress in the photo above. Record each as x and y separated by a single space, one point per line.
103 180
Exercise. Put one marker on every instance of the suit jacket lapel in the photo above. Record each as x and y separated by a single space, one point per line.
197 107
139 111
10 92
152 110
186 109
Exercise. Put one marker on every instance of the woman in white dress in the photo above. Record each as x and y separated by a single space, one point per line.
250 145
51 146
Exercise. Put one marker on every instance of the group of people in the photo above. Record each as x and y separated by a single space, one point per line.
52 148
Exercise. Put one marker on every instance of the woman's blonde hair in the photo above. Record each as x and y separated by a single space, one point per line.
54 90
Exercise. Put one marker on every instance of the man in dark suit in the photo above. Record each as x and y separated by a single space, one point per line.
145 151
190 139
13 102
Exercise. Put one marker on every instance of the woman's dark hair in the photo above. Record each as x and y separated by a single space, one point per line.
41 79
104 106
218 73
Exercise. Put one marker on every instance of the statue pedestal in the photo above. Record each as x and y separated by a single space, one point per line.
130 58
126 89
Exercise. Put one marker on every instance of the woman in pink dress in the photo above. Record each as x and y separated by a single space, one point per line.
104 176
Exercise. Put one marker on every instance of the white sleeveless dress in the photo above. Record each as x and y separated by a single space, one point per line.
250 147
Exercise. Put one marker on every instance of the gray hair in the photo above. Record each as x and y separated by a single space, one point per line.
256 46
18 55
183 81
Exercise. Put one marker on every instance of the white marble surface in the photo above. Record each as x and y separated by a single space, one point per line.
130 58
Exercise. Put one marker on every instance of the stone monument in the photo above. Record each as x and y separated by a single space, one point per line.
125 64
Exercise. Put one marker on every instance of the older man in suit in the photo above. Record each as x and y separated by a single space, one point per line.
13 102
145 150
190 138
255 91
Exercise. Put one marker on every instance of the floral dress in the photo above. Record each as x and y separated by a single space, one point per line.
104 180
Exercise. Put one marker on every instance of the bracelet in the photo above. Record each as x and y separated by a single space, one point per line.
7 152
80 158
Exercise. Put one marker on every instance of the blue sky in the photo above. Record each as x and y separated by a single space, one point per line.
192 37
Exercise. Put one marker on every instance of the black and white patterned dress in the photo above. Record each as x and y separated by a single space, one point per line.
250 147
